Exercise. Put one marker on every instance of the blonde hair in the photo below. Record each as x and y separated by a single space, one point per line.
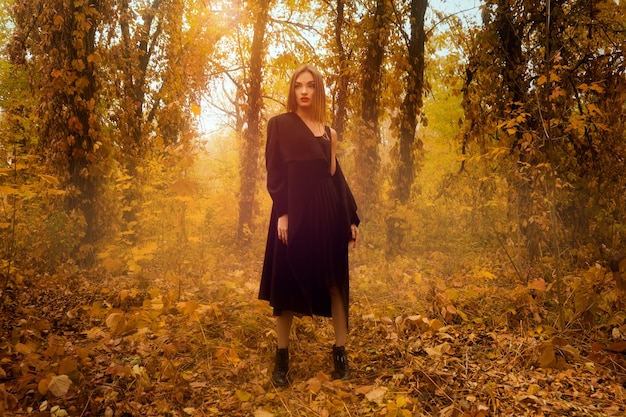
319 98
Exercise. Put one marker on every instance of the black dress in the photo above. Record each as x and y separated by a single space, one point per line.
320 209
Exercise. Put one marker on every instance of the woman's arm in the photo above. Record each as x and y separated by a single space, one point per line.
276 169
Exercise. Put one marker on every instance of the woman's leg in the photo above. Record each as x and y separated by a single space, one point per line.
281 364
338 312
283 328
340 323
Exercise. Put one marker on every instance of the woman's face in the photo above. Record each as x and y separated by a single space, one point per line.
305 89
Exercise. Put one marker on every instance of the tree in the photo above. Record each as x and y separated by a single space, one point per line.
61 40
251 145
342 78
368 135
412 103
408 147
538 83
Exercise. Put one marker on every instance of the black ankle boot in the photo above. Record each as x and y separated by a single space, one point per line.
340 358
281 368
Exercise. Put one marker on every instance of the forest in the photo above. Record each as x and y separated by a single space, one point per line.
484 141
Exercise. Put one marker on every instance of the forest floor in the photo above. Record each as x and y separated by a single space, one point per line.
462 344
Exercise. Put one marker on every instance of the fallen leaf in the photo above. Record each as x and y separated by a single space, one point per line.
547 358
42 386
364 389
436 324
59 385
617 346
438 350
243 396
314 385
376 395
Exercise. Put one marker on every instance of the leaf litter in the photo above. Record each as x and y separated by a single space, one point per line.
437 347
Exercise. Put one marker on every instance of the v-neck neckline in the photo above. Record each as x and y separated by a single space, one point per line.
308 128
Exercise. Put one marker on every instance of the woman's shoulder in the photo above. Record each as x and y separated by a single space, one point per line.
282 118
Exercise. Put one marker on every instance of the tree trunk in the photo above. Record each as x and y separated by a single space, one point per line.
251 146
410 112
368 130
341 92
136 61
509 37
86 129
70 125
412 104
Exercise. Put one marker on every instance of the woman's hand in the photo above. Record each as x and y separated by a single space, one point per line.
354 230
283 226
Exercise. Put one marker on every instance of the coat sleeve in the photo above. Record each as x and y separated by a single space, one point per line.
276 169
347 199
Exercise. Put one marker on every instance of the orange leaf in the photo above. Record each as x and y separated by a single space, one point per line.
547 359
314 385
42 387
617 346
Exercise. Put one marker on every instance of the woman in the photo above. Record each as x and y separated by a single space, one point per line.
313 220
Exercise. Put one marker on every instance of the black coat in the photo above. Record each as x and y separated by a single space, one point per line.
320 210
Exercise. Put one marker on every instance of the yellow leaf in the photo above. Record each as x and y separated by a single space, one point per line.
8 190
594 110
50 179
59 385
243 396
23 349
78 64
187 307
95 58
596 87
485 274
533 389
452 294
436 324
542 80
262 413
226 355
314 385
42 387
82 353
56 192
